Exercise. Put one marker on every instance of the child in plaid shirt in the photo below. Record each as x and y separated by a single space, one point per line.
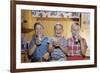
77 45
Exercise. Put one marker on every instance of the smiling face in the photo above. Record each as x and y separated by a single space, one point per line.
38 29
58 30
75 28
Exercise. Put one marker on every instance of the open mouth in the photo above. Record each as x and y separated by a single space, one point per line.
58 33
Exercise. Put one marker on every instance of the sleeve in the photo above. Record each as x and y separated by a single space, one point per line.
31 43
64 43
50 40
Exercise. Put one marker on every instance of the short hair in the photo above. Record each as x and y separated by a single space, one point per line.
38 24
77 24
58 24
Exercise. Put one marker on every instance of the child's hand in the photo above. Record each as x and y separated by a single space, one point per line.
46 56
56 43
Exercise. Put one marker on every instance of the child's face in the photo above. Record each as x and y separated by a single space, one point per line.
39 30
58 31
75 30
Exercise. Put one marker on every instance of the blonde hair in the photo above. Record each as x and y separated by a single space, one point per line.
58 24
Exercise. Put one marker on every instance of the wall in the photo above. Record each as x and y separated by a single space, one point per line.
5 35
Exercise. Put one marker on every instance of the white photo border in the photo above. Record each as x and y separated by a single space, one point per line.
20 65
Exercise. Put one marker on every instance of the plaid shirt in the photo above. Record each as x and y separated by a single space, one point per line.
73 48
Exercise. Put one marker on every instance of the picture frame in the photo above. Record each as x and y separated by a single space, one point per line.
17 7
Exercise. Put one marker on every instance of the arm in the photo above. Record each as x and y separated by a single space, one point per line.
50 48
31 50
46 56
32 47
64 50
83 46
63 46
